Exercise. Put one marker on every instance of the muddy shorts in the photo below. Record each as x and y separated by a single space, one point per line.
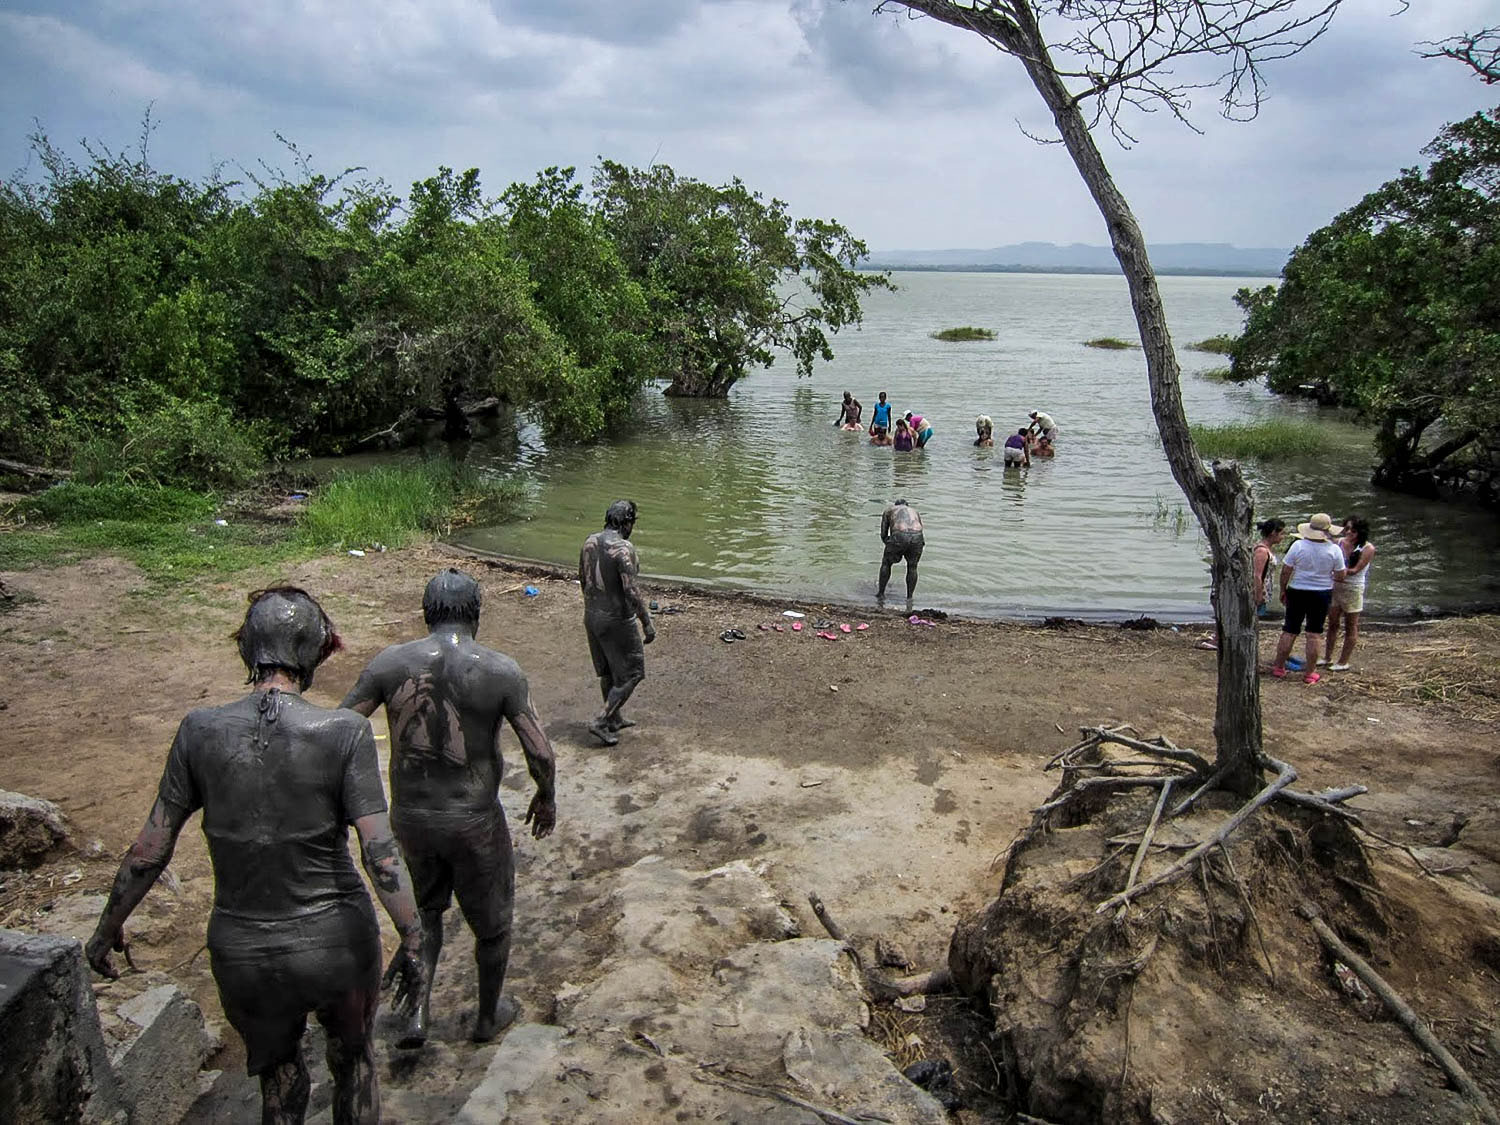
1306 605
617 649
903 545
465 855
270 975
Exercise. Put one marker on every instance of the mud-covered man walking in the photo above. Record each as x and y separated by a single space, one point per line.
447 700
612 605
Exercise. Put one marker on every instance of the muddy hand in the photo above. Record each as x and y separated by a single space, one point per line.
408 973
98 950
542 816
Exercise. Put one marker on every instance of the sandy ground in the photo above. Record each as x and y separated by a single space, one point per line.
884 770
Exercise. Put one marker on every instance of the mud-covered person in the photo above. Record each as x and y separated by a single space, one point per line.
607 566
901 532
447 699
279 781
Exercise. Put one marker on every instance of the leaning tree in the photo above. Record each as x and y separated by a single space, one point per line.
1093 62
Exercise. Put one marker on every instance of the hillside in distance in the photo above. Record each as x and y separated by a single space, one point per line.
1216 258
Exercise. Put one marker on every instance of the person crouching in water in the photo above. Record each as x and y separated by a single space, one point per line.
1017 450
984 428
904 441
880 436
447 699
279 781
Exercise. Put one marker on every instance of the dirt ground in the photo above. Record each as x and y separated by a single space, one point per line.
884 770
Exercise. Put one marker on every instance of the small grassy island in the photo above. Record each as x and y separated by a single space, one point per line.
1274 439
959 335
1219 345
1109 343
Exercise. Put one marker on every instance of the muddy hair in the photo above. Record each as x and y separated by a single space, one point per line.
327 642
1270 527
452 598
619 514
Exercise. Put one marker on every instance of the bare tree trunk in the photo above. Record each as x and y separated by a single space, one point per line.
1220 499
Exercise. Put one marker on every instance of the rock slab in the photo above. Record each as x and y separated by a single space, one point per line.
160 1046
30 830
54 1066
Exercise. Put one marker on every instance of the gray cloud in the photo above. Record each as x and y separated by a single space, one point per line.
905 130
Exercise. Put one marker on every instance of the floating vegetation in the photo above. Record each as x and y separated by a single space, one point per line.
1109 343
961 335
1273 439
1219 345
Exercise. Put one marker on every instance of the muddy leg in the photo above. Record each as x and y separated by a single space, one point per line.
604 726
885 577
496 1012
414 1034
356 1093
489 909
911 579
283 1092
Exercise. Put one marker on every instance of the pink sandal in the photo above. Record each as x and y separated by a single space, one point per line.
1279 673
1311 678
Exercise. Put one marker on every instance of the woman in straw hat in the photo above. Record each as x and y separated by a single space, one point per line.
1314 563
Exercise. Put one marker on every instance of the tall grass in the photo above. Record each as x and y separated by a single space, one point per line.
968 332
1109 343
1218 345
1273 439
394 504
1217 375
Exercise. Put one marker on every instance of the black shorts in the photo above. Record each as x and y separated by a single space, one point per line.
616 648
1308 605
271 975
469 856
903 545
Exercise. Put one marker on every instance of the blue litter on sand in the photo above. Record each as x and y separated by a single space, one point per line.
531 591
1293 664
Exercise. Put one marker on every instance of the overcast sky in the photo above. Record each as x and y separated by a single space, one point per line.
906 131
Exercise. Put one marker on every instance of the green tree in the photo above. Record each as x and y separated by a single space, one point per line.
731 277
1394 309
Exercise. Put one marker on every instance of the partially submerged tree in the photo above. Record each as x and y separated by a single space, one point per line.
1092 61
1393 309
730 275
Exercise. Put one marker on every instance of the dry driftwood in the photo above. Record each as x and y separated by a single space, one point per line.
1403 1012
1140 852
25 470
1160 748
1285 777
878 985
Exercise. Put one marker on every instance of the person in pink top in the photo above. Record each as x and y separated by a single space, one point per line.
1308 573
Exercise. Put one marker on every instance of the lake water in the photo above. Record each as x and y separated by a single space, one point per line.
760 491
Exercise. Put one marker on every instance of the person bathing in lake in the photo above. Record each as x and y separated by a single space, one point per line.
1016 451
1349 594
901 532
984 427
880 436
904 441
1308 573
880 415
921 429
849 413
1043 447
1044 425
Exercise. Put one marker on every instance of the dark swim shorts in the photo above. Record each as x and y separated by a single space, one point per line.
617 648
271 975
1306 605
903 545
466 855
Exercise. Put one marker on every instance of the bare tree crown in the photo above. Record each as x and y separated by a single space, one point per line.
1123 54
1477 50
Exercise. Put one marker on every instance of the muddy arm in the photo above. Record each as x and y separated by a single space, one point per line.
634 600
541 763
365 696
382 861
143 863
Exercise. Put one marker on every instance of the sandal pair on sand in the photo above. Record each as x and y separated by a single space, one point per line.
1310 678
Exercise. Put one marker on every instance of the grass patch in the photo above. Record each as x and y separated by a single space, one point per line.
1109 343
1218 345
959 335
1275 439
171 533
395 504
1217 375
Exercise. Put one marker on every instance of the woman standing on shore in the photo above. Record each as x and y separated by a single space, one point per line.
1349 595
1308 573
1263 562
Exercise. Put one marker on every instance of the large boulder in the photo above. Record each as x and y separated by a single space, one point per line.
30 830
54 1066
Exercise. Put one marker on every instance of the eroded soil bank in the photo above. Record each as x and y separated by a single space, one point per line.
884 770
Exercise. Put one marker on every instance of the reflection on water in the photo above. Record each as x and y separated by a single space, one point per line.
762 490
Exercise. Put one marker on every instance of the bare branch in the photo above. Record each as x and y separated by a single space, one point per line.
1478 50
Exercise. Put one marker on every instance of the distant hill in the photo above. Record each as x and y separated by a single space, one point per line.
1043 257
